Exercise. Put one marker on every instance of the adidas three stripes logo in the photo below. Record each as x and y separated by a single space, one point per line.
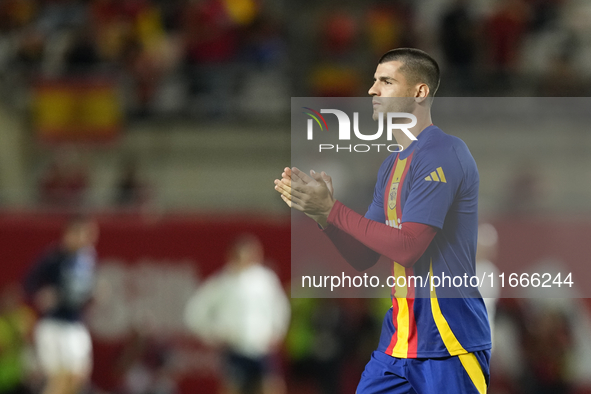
437 176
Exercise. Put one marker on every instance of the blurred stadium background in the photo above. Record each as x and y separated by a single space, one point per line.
169 119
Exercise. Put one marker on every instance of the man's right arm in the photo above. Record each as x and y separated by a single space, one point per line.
357 254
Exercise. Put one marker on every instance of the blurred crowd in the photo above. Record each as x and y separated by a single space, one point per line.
485 48
214 57
84 70
166 55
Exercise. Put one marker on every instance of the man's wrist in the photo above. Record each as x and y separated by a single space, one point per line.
322 220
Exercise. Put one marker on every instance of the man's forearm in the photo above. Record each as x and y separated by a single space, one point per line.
354 252
404 246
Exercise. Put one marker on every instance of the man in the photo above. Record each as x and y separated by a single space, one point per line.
424 218
61 285
244 311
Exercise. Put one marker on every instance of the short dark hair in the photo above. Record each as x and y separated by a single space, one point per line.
418 66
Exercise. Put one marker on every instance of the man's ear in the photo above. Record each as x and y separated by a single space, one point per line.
422 92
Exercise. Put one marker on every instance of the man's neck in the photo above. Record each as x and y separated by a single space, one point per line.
403 140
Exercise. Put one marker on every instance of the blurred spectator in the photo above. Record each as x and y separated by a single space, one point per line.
339 31
59 15
211 36
148 57
546 367
144 365
264 44
561 79
65 181
545 336
506 29
316 345
29 53
389 25
544 13
244 311
212 29
60 285
114 29
16 323
216 41
507 355
524 192
15 14
82 57
335 74
362 327
458 42
130 191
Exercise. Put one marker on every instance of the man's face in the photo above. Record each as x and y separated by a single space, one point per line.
82 235
90 234
390 82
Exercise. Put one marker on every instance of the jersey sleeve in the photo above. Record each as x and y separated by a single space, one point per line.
435 180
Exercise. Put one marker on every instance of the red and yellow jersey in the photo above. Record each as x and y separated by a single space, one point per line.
435 182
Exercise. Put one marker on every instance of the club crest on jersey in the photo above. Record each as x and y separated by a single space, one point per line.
392 195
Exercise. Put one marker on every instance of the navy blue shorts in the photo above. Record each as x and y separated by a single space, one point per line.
246 374
463 374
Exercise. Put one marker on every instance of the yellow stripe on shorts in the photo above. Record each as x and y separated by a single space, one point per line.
474 370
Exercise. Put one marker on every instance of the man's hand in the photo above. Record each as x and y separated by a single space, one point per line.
312 194
283 186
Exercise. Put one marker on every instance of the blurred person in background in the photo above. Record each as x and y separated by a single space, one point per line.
328 342
244 311
61 284
65 181
547 369
389 24
16 323
551 316
459 43
562 79
525 190
336 74
212 31
130 190
506 29
144 366
316 344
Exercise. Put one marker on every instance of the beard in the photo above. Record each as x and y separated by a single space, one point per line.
394 104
